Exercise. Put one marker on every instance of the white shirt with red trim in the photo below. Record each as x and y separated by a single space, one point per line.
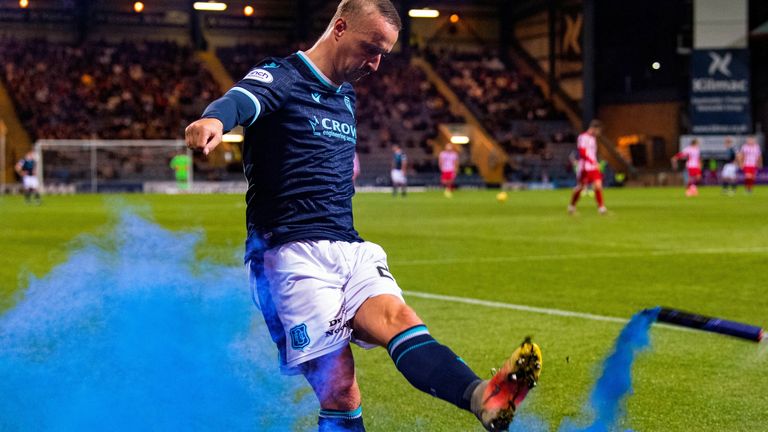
447 160
751 154
587 146
692 155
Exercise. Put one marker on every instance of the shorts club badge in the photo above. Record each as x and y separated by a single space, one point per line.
299 337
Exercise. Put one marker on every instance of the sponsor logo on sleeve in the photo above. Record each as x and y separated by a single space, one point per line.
259 75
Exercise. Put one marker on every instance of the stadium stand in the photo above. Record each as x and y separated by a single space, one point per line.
130 90
537 137
151 90
125 91
397 106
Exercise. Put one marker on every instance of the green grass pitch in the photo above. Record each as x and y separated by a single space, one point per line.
707 254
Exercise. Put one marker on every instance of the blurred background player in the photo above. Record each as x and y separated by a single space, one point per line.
573 159
448 160
180 165
750 160
692 156
730 169
589 167
26 168
398 171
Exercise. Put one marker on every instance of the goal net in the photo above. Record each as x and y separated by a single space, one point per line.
113 165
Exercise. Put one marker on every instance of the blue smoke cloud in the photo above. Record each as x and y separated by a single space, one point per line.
615 381
133 333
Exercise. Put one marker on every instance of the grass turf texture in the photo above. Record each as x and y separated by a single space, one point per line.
705 255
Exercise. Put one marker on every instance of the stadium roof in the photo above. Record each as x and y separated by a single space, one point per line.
761 30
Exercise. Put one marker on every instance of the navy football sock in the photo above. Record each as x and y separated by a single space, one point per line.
431 367
341 421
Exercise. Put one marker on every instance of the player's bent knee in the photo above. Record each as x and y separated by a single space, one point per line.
403 316
392 312
381 318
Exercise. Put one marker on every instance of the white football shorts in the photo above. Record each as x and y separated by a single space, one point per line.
729 171
309 291
29 182
398 177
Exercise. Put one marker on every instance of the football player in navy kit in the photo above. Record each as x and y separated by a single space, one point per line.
26 167
319 285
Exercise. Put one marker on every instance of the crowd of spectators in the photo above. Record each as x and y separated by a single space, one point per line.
497 92
152 90
241 58
400 106
130 90
511 107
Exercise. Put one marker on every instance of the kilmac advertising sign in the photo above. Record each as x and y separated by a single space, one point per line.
720 92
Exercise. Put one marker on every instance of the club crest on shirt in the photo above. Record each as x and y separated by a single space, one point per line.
299 336
259 75
316 97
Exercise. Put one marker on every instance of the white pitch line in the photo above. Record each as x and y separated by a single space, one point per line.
499 259
531 309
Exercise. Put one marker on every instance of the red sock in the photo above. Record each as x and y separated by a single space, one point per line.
599 197
575 197
748 183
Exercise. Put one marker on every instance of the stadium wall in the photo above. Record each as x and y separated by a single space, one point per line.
471 33
651 119
54 32
532 33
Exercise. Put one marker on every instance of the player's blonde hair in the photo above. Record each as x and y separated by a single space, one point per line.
353 9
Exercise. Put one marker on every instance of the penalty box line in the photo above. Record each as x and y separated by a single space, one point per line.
530 309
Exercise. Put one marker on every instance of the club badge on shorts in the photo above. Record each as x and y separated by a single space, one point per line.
299 337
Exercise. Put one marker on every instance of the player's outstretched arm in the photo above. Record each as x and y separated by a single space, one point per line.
204 134
674 160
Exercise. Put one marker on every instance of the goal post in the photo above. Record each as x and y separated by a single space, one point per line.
111 165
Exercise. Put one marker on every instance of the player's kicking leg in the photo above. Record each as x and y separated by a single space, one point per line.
434 369
494 401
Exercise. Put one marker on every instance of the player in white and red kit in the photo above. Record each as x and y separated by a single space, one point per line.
448 160
589 167
692 156
750 160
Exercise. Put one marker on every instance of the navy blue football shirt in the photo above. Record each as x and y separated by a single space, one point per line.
28 166
300 137
398 159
